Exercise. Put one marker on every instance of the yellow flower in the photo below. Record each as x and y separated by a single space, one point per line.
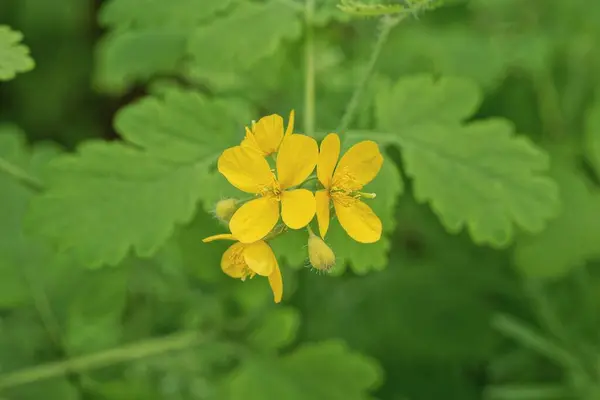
251 173
245 260
356 168
267 134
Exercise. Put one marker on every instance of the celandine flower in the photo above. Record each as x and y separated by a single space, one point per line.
356 168
267 134
250 172
245 260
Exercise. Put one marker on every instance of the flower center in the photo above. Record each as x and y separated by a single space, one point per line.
247 273
236 259
272 190
346 190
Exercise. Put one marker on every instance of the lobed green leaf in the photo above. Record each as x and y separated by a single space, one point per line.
322 371
14 57
477 175
120 197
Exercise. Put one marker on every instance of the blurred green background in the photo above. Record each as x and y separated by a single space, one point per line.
107 292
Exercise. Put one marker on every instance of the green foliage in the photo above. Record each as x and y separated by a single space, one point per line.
318 371
20 255
14 57
497 177
484 284
572 238
156 184
278 23
147 43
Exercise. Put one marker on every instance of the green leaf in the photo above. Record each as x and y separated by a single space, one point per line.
14 57
121 197
134 14
20 254
217 50
461 50
94 322
572 238
148 43
323 371
276 329
477 175
423 99
125 58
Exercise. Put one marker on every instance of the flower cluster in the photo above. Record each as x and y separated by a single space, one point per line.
276 167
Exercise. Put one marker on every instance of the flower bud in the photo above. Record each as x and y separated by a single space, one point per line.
225 209
320 255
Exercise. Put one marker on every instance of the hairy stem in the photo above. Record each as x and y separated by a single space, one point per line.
387 24
103 359
20 175
309 69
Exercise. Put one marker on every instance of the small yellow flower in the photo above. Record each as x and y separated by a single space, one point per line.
251 173
225 209
245 260
320 255
356 168
267 134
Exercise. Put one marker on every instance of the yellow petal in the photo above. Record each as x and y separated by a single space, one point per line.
296 159
358 220
260 258
244 169
254 220
222 236
268 132
297 207
232 262
322 202
328 156
276 282
290 127
362 161
250 142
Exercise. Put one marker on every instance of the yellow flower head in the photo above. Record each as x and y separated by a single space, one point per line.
250 172
245 260
342 185
267 134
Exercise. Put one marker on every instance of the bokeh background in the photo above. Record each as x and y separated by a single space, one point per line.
429 313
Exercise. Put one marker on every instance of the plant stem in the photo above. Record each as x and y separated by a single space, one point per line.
20 175
309 69
387 24
103 359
